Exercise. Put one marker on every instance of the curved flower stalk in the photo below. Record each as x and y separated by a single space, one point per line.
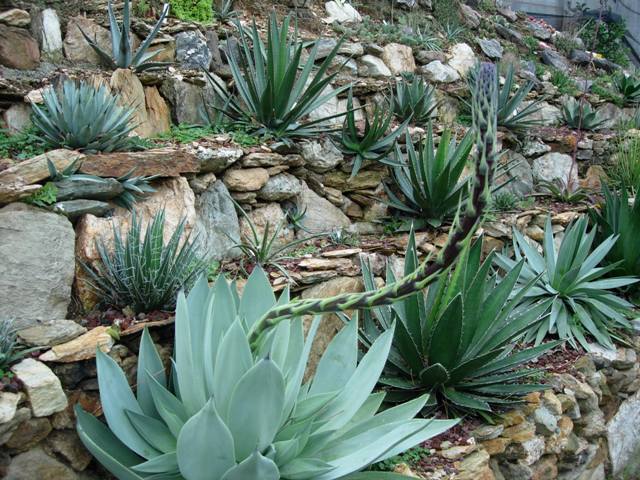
484 103
230 413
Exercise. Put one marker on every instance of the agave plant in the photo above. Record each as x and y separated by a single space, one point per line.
10 350
227 412
580 115
628 87
620 219
143 273
372 143
83 118
564 190
413 100
224 10
582 302
456 340
276 89
122 56
430 181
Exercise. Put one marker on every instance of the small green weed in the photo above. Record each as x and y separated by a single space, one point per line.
195 10
563 83
410 457
43 197
21 146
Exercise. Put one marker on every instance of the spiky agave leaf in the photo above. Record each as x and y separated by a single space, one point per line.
84 118
121 55
581 115
233 413
456 340
276 89
629 87
570 277
414 100
142 271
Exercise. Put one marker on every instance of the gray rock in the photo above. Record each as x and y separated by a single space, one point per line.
545 114
42 386
48 334
38 262
546 422
321 156
17 117
216 160
399 58
280 187
351 49
35 464
192 51
622 434
539 31
74 209
583 58
189 101
436 71
519 175
509 34
8 406
6 429
70 189
321 215
374 67
470 16
341 12
487 432
67 444
46 30
462 58
217 222
427 56
491 48
553 166
76 48
554 59
15 17
325 46
611 114
534 148
506 12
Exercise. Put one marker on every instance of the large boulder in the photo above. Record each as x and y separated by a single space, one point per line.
436 71
271 214
555 166
46 30
321 155
622 434
375 67
321 215
192 51
76 47
173 195
36 271
18 49
217 222
189 101
517 175
399 58
462 58
555 60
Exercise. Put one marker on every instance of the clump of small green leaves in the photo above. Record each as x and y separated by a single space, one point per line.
10 351
504 201
194 10
266 249
83 118
413 100
563 190
341 236
570 282
563 82
21 145
624 168
411 457
453 32
532 43
122 56
44 196
621 220
456 340
372 142
579 114
430 180
234 410
607 37
629 87
275 88
141 271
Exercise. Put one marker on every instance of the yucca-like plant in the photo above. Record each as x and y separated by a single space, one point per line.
10 350
628 87
276 89
581 115
224 10
431 179
227 412
375 141
456 340
582 302
413 100
135 188
142 272
122 55
564 190
83 118
618 218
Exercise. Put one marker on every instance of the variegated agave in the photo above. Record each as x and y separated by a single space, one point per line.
227 412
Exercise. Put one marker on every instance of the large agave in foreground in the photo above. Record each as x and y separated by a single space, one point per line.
582 302
229 413
83 118
456 340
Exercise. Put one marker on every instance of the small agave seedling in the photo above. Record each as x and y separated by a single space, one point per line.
122 56
230 413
